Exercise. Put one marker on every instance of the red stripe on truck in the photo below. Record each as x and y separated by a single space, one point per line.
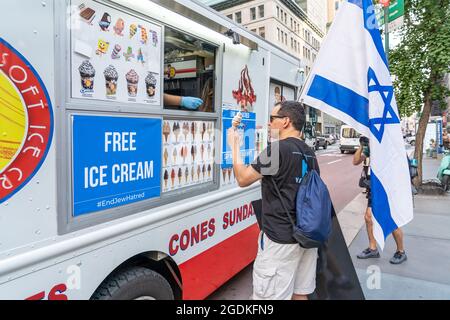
206 272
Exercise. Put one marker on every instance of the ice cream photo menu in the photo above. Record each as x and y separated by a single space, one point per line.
114 56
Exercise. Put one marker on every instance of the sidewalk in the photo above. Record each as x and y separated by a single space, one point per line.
427 241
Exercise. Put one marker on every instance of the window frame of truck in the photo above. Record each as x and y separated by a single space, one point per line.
69 106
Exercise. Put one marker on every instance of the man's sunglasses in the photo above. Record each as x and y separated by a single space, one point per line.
276 117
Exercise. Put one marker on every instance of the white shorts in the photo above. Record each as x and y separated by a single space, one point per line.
281 270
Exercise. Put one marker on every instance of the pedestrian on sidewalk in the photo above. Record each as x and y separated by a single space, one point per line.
282 270
362 155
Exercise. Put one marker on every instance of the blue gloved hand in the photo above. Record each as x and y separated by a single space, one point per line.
191 103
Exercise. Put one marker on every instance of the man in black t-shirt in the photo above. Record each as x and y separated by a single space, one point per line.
282 269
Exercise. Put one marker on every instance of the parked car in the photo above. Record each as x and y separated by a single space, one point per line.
330 138
411 140
321 141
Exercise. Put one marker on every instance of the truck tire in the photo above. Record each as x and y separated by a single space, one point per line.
446 182
136 283
325 145
342 151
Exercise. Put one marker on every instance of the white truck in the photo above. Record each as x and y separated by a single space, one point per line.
105 182
349 140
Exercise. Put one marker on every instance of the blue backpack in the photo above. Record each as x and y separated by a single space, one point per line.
313 209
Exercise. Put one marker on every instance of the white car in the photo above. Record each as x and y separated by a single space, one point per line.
411 140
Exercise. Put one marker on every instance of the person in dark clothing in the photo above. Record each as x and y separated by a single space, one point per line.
282 269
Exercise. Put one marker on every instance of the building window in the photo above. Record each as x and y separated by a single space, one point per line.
292 43
262 32
292 23
336 5
285 38
253 30
230 16
278 33
278 12
313 57
238 17
285 18
261 11
252 13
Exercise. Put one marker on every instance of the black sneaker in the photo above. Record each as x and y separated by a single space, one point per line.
368 253
398 257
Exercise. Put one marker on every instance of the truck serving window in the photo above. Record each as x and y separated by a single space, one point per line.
189 65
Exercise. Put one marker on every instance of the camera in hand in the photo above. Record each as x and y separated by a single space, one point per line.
364 141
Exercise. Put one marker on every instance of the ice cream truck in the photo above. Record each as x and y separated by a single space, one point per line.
114 182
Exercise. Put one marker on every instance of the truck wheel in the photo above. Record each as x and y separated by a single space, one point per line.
136 283
325 146
446 182
342 151
413 143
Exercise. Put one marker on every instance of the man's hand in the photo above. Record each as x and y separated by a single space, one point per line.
233 138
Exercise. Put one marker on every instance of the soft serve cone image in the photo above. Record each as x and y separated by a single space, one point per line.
209 150
177 131
203 171
192 173
166 157
174 154
224 174
198 171
229 173
172 177
166 130
202 151
186 174
193 131
210 130
203 130
184 154
237 120
193 153
132 83
166 178
185 130
111 77
209 171
180 176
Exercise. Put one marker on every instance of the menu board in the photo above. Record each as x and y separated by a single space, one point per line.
188 153
114 56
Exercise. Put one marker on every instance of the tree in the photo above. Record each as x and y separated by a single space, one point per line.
420 63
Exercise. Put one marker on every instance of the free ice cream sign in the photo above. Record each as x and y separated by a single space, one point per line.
116 161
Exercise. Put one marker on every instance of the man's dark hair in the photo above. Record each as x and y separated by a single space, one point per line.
295 111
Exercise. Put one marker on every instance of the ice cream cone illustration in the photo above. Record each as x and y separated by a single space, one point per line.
172 177
184 153
166 178
229 173
237 120
154 38
87 74
192 173
116 52
132 83
203 130
174 154
210 129
166 157
209 171
198 171
180 175
185 130
224 174
133 30
186 174
177 131
195 128
111 77
203 171
209 150
193 131
166 130
202 151
193 154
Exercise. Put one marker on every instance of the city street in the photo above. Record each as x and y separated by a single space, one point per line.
341 178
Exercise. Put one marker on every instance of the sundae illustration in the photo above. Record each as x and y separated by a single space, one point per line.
150 84
87 73
116 52
102 47
132 83
105 22
111 77
119 27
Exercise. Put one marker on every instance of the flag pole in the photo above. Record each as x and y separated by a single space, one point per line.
386 30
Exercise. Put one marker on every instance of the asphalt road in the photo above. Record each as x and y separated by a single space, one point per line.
341 177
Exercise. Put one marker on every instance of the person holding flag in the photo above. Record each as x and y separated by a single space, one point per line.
351 81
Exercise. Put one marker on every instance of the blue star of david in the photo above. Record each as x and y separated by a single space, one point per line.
387 94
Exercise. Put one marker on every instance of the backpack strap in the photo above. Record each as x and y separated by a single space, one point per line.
282 202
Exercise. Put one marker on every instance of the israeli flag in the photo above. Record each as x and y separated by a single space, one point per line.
351 81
